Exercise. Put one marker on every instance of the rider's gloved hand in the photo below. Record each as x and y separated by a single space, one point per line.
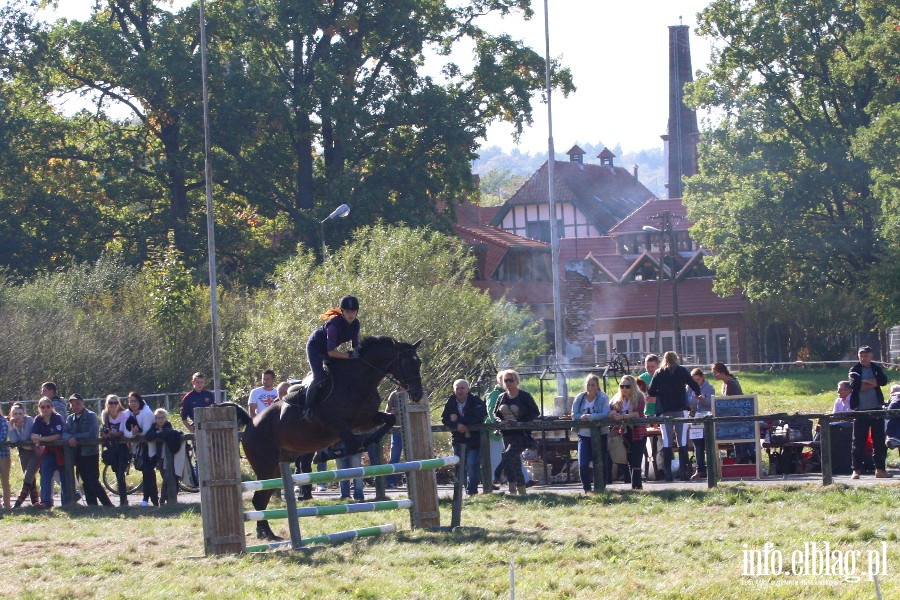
354 353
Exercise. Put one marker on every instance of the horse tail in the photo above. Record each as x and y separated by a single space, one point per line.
243 416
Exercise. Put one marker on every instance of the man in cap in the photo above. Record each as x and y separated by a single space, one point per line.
83 424
866 378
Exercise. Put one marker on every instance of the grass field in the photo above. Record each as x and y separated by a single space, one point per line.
621 544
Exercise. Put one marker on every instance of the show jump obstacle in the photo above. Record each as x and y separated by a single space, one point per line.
221 489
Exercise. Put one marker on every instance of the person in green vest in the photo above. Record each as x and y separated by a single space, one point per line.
496 441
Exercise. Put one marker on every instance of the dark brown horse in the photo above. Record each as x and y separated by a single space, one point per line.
352 405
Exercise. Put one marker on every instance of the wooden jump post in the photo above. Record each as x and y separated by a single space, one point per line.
221 489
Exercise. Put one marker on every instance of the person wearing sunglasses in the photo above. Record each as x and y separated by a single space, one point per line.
629 403
48 427
514 406
114 419
591 405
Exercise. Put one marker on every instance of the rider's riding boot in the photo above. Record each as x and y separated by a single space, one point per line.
667 463
636 479
307 407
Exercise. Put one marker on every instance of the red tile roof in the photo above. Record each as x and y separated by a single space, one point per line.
638 299
646 213
497 243
605 194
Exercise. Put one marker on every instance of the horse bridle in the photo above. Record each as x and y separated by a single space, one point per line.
386 372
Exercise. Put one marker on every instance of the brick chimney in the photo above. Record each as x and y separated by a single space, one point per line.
681 137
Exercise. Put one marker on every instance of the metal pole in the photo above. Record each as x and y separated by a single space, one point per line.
210 220
673 268
559 339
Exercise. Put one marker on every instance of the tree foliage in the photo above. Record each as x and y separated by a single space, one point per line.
411 283
786 197
312 104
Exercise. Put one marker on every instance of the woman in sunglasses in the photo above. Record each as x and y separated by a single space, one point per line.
114 419
48 427
629 403
590 405
513 406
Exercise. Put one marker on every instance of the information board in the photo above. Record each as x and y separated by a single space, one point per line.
735 406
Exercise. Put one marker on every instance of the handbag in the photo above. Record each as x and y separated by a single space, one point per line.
108 456
618 454
140 457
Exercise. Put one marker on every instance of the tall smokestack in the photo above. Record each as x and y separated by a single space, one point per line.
681 137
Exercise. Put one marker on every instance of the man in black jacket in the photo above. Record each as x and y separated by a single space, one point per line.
463 409
866 379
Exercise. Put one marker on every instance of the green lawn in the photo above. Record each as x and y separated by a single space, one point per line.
619 545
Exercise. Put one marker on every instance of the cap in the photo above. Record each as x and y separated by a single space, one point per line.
865 349
75 397
349 303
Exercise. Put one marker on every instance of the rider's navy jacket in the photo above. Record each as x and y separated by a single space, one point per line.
333 333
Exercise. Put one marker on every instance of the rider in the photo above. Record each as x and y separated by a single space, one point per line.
341 325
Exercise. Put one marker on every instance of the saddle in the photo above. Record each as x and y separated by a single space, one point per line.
296 395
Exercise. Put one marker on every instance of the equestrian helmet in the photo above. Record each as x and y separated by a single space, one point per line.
349 303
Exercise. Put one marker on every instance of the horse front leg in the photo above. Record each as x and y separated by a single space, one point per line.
387 423
350 442
260 502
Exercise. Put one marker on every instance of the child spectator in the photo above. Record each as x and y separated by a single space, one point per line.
20 426
48 427
162 431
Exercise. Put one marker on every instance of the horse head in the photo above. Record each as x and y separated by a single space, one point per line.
407 369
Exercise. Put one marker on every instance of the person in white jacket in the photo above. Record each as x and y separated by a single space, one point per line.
142 422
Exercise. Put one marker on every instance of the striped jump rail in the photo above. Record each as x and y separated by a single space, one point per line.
344 474
324 511
328 538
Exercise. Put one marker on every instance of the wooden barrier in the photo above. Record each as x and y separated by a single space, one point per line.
221 488
219 462
418 444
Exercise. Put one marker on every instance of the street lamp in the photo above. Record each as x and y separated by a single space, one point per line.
676 325
559 338
210 221
340 212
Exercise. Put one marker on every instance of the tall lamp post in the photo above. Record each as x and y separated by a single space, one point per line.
340 212
210 220
667 231
559 339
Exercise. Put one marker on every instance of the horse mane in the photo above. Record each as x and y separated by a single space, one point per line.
375 341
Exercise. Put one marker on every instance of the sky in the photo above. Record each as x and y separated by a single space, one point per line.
618 55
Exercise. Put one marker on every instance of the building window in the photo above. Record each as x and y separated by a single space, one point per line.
540 230
601 350
694 347
721 343
524 266
629 345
